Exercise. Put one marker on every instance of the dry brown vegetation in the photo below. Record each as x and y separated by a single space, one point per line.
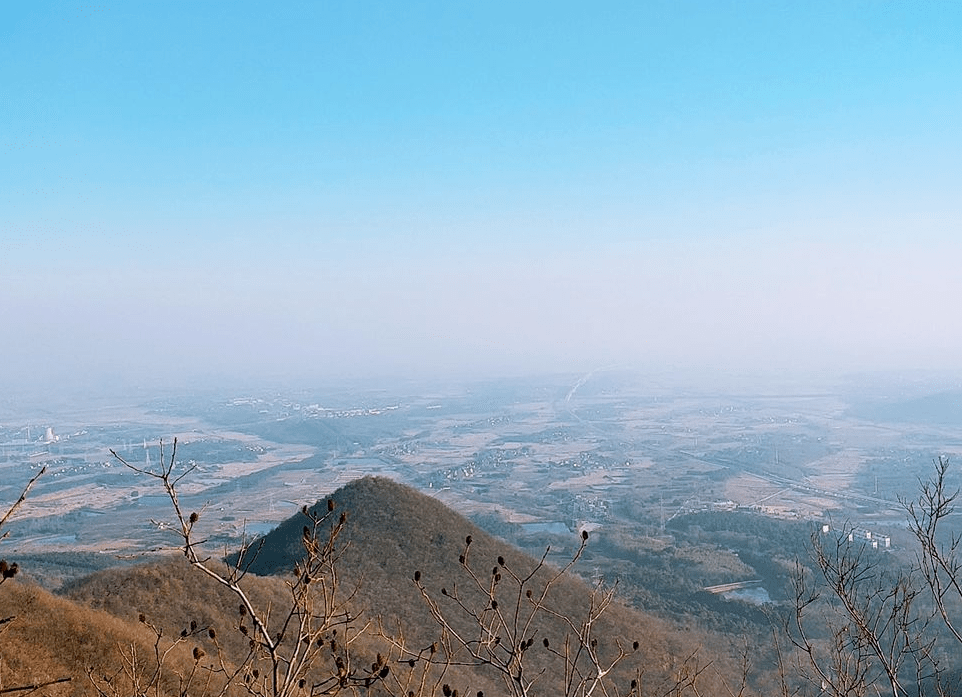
394 532
59 647
382 590
55 638
178 631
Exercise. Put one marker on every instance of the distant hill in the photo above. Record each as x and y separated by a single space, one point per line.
940 409
392 531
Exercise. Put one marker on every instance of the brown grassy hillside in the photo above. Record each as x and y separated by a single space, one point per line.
52 638
172 595
392 531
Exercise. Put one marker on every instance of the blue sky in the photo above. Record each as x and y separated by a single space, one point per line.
238 190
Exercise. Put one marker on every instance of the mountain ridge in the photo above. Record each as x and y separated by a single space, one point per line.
392 533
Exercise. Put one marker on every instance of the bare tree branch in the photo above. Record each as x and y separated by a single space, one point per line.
292 642
19 502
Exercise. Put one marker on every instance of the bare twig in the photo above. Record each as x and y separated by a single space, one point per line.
876 635
493 624
19 502
290 644
34 687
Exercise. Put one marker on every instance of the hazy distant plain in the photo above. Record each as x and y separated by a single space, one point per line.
613 451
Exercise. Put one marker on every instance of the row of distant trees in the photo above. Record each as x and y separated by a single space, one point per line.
855 628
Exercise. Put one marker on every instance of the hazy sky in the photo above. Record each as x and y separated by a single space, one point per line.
246 190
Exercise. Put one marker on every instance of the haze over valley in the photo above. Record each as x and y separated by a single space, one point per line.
532 460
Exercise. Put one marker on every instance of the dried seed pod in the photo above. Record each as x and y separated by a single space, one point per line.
194 517
199 653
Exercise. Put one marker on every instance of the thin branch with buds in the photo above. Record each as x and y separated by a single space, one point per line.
288 646
876 634
494 623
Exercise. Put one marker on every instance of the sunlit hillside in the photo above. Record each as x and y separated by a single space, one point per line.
103 630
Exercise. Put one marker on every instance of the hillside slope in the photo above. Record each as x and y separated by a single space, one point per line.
174 596
49 638
392 532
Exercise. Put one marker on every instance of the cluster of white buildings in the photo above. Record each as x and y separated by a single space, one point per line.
876 541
